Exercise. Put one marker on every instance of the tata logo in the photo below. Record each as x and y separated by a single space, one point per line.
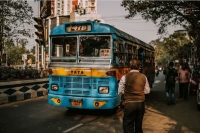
77 72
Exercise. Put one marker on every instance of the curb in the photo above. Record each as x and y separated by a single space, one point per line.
19 93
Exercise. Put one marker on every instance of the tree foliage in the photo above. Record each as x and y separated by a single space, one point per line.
14 53
33 50
161 56
165 13
178 45
16 15
175 47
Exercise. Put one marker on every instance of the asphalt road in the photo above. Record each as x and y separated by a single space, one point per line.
36 116
183 117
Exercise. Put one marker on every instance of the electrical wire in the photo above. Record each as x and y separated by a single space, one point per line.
132 29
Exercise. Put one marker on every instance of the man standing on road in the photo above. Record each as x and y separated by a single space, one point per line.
133 85
171 75
184 78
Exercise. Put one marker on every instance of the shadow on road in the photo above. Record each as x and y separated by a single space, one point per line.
183 117
91 112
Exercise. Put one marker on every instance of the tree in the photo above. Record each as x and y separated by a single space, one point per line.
175 47
178 45
161 56
16 15
33 50
165 13
14 53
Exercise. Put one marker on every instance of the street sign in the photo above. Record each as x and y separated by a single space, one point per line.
24 57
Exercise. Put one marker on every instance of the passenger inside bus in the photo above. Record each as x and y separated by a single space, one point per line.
70 44
141 54
95 46
64 46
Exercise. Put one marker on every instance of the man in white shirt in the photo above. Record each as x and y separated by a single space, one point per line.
134 85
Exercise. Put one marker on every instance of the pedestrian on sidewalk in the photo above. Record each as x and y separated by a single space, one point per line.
171 76
157 71
184 78
133 85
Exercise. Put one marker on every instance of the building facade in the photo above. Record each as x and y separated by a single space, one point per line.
66 7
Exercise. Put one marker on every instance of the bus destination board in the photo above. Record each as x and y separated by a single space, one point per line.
78 28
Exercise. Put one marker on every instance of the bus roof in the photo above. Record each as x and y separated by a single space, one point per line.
97 29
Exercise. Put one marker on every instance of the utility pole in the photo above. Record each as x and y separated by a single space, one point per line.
44 46
1 43
1 30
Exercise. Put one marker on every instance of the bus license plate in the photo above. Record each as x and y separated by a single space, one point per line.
76 103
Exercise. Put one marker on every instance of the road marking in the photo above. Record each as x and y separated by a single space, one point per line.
157 81
72 128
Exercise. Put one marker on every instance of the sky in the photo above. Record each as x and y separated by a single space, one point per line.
114 14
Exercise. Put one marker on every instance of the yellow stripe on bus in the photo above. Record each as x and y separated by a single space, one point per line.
88 72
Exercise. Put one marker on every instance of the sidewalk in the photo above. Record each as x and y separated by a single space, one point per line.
11 91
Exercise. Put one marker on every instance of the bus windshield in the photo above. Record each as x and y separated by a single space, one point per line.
83 46
64 46
95 46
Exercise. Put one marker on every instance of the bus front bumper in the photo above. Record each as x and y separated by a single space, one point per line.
84 102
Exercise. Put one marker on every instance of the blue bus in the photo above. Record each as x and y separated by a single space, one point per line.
87 59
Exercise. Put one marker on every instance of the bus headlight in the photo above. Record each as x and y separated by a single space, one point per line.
103 90
54 87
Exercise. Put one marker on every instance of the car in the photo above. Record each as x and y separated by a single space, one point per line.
194 81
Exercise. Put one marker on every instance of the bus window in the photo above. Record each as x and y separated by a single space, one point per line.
121 58
134 49
141 54
148 60
116 48
64 46
121 49
130 57
126 48
95 46
57 47
126 60
115 51
70 44
130 51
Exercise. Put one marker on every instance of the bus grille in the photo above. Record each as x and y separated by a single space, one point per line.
77 86
80 85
